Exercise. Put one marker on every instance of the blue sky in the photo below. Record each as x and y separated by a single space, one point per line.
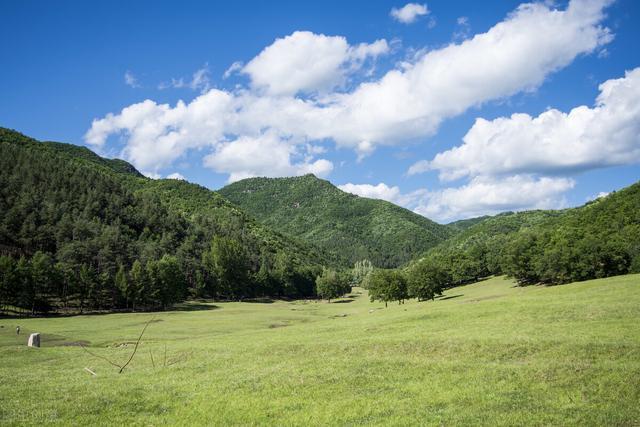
380 98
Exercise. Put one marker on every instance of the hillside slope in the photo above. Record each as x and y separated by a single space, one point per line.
78 220
351 227
598 239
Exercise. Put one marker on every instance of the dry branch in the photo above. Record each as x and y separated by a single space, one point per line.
135 349
100 357
137 343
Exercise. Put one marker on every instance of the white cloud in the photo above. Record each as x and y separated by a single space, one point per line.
131 80
487 196
463 30
607 134
381 191
517 162
158 134
290 96
176 175
152 175
267 156
481 196
234 68
409 12
515 55
200 81
307 62
600 195
420 166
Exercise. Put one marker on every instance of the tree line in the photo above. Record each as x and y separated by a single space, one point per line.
597 240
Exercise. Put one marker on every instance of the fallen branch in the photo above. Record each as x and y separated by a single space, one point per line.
135 349
100 357
137 343
91 372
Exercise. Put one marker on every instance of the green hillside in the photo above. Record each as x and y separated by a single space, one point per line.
351 227
486 354
599 239
463 224
73 226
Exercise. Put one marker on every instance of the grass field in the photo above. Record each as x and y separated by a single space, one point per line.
485 354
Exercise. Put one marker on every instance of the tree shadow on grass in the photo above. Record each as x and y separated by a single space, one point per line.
194 306
450 297
342 301
259 300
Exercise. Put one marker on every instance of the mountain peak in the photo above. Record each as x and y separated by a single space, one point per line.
352 228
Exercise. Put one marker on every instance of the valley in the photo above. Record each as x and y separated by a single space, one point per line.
488 353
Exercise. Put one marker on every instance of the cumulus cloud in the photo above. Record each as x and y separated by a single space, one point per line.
296 93
480 196
158 134
600 195
176 175
517 162
515 55
267 156
308 62
152 175
381 191
409 12
607 134
131 80
488 196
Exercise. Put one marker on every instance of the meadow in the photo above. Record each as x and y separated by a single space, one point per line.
490 353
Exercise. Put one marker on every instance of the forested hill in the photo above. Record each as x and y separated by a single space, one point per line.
81 231
599 239
464 224
351 227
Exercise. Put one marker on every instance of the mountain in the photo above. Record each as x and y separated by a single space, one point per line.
74 225
350 227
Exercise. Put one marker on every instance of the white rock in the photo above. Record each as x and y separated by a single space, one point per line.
34 340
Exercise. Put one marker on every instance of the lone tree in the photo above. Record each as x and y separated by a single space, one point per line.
331 285
387 285
427 279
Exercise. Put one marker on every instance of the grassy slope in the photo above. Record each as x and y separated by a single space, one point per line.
488 353
352 227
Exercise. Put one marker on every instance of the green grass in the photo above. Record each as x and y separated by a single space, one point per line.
485 354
